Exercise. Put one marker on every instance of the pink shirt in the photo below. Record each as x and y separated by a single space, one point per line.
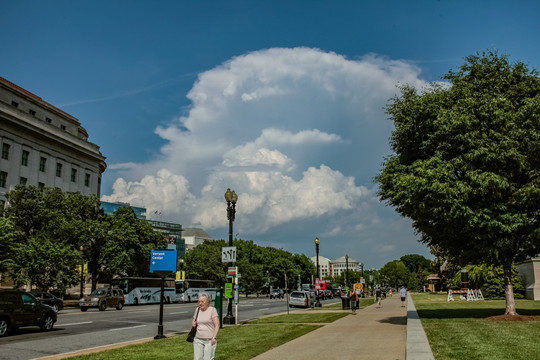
205 325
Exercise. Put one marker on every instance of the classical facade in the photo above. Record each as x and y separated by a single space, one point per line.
325 266
44 146
335 267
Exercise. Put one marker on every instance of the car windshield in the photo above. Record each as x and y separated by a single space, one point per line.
297 295
98 292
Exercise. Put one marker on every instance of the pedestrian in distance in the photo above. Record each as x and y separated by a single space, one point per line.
390 292
403 295
353 298
207 322
378 296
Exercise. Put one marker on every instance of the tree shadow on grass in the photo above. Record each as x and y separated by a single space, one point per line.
469 313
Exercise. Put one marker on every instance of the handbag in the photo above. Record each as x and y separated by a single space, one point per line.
193 331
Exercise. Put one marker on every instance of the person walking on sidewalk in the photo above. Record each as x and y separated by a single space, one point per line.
207 323
403 294
353 298
378 296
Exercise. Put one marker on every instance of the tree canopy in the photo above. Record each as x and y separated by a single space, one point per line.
46 234
466 163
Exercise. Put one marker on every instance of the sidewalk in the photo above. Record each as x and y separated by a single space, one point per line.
373 333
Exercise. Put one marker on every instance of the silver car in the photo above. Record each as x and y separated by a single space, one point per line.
300 299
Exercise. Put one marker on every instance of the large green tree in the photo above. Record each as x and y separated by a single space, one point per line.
466 163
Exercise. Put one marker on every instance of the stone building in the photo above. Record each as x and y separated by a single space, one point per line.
44 146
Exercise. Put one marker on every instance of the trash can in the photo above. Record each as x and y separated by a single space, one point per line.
345 303
218 304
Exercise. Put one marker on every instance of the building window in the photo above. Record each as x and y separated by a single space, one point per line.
41 186
32 112
14 103
48 120
24 159
42 162
58 170
63 127
3 178
73 175
5 151
23 180
86 179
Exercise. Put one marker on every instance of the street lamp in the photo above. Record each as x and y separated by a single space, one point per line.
346 270
231 198
317 242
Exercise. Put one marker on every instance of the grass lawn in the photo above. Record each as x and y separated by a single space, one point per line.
461 329
235 342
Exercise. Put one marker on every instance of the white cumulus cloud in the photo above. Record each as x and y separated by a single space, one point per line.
298 133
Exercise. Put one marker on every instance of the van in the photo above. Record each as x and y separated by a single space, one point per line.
300 299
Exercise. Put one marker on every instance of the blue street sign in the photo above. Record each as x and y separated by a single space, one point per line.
163 260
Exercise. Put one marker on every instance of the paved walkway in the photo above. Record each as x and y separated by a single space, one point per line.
390 332
373 333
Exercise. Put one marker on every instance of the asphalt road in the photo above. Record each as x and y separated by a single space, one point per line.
76 330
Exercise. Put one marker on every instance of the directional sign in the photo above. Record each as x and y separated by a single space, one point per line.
163 260
228 254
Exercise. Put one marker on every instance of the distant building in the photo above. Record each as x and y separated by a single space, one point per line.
110 208
335 267
325 266
44 146
171 231
195 236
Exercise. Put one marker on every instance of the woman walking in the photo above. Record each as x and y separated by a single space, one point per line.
206 319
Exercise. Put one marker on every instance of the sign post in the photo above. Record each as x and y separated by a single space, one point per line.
162 263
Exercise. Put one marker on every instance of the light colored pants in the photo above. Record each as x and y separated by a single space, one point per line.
203 349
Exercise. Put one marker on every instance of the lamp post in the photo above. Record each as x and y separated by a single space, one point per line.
346 270
317 242
82 272
231 198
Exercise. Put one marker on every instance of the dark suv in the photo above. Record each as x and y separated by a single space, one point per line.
103 298
46 298
19 308
277 294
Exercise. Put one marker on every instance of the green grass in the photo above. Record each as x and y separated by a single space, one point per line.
235 342
459 329
301 318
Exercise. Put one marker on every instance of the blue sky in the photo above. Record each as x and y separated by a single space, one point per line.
281 101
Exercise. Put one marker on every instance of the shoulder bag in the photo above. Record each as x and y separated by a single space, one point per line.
193 331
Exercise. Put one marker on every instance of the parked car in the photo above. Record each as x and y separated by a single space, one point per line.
277 294
102 298
301 299
46 298
19 309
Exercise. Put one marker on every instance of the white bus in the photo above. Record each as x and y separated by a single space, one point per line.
188 290
141 290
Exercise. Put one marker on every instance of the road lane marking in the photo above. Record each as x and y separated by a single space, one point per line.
179 312
125 328
80 323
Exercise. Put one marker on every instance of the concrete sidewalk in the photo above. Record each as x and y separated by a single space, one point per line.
373 333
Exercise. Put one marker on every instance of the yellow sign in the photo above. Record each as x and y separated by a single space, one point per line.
84 269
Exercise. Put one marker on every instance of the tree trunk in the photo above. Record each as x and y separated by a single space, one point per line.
509 290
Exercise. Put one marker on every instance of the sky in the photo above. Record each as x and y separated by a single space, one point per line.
281 101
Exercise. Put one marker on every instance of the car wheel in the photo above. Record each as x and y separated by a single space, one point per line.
102 306
119 306
47 323
83 309
3 327
55 307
